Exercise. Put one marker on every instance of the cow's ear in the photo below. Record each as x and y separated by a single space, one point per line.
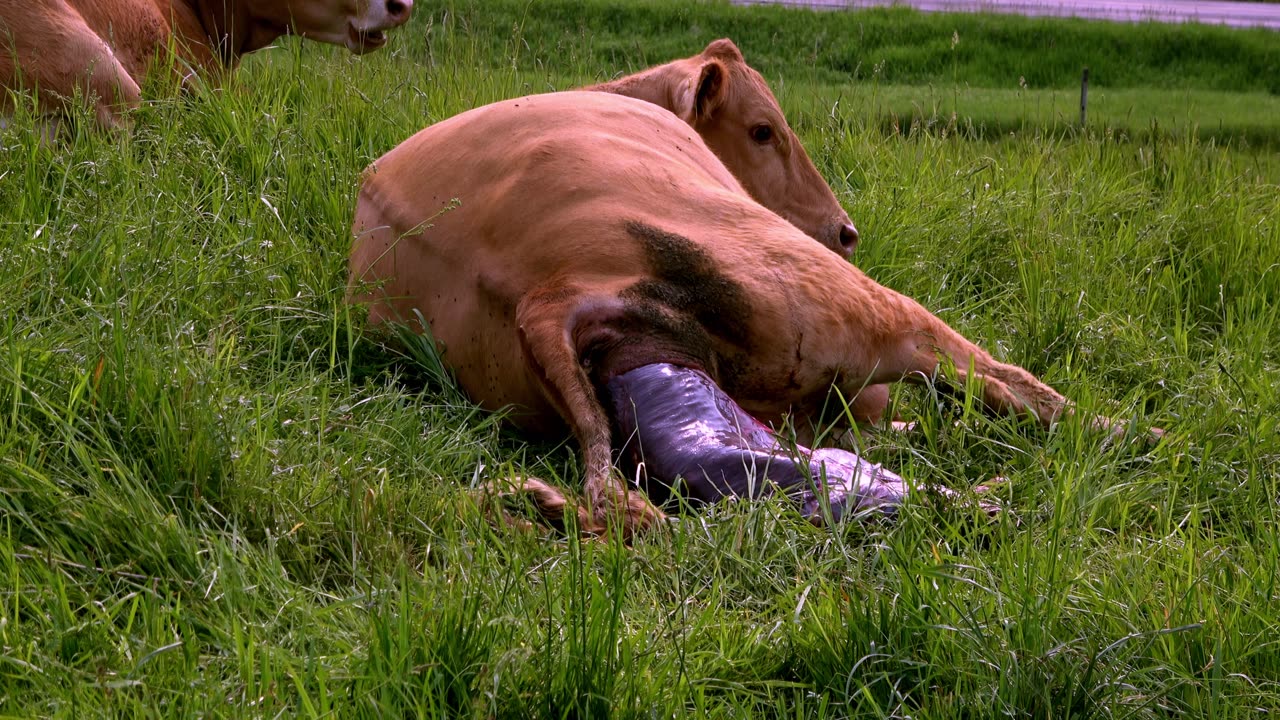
698 96
708 90
724 49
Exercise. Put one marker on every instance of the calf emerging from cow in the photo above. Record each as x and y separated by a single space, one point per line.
602 261
104 48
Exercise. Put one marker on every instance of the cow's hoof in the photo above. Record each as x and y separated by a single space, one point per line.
640 514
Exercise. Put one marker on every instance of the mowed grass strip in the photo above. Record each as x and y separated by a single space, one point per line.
1245 120
903 46
220 496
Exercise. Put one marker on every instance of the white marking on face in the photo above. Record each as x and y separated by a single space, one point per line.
360 26
367 29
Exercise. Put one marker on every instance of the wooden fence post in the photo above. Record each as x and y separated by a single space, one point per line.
1084 96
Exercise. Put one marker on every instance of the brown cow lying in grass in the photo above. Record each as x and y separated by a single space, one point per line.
730 105
601 270
104 48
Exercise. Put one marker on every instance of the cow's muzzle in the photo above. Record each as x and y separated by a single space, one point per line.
392 14
363 41
848 239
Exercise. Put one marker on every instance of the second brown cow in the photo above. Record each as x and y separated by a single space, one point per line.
103 49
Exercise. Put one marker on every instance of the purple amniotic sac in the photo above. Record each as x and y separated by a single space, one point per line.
689 439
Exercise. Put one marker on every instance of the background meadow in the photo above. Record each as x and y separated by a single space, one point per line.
219 496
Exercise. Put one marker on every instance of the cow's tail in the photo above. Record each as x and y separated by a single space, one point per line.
549 502
630 514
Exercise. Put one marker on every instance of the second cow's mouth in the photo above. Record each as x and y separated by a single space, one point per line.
361 41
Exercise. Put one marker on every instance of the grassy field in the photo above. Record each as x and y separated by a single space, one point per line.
220 497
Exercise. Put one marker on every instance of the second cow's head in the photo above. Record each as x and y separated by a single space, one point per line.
359 25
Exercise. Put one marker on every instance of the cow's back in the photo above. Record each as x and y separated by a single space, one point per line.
584 149
543 179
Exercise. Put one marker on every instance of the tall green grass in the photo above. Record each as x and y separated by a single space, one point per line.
220 497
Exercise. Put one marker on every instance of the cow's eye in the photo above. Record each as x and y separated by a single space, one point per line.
762 134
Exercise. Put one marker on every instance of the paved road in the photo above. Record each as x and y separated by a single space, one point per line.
1237 14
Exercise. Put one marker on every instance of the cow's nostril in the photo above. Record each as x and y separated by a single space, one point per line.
848 237
399 9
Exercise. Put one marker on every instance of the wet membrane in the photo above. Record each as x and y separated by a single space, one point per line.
684 437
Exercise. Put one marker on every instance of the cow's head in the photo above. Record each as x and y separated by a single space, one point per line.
732 108
360 25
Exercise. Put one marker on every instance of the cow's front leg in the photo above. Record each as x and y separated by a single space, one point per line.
686 437
69 57
921 341
545 328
